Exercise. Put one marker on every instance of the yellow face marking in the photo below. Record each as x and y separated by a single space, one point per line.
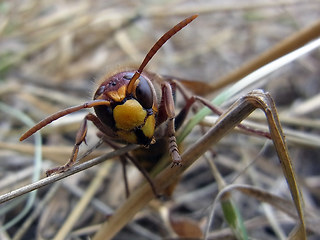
118 95
148 127
129 115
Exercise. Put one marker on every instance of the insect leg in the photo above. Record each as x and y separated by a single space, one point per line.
145 174
168 104
106 139
125 175
191 99
80 137
134 161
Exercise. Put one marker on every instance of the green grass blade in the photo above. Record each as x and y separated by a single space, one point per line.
234 218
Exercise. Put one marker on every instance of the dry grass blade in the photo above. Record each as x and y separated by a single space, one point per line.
263 196
218 7
277 202
58 154
292 136
267 105
240 110
19 234
231 212
83 203
52 54
43 182
284 47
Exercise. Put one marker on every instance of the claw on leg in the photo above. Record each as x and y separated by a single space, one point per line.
81 137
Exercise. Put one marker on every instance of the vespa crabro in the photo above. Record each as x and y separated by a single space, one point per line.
131 107
135 106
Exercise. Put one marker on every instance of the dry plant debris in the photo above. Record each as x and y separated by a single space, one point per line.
52 53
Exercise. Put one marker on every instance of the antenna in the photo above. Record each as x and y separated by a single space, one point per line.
156 47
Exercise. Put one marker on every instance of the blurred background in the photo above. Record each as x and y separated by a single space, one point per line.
52 53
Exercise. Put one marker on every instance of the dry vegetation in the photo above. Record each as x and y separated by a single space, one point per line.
52 53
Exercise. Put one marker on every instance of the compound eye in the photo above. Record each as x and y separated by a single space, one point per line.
144 93
101 90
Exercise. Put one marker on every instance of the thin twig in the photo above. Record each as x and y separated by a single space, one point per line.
73 170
